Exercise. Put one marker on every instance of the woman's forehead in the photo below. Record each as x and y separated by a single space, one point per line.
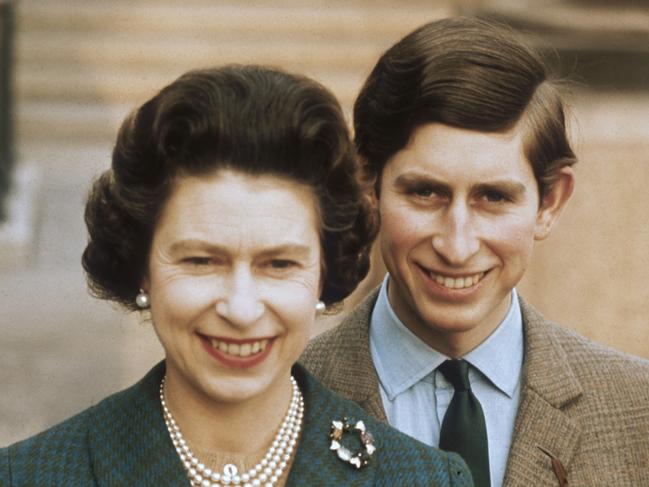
230 206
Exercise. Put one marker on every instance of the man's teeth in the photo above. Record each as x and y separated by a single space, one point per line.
457 282
239 350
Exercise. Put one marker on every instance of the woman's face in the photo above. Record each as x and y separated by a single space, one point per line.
234 276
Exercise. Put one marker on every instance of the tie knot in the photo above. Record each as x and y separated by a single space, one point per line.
457 373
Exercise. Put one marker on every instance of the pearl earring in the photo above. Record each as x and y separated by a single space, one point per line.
320 307
142 300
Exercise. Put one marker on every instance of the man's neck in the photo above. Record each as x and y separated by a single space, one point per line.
453 340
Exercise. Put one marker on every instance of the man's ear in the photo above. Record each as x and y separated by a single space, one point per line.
553 202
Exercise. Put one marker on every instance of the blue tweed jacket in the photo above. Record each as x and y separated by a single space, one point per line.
123 441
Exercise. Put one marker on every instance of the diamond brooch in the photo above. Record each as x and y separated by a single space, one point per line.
359 458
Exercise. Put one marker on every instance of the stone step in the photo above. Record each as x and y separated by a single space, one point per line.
82 83
604 45
67 123
68 103
81 65
40 52
583 25
352 19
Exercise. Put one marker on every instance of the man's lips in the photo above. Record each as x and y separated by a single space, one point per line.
462 281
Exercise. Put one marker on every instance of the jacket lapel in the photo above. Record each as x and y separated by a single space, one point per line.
129 443
542 427
356 378
549 386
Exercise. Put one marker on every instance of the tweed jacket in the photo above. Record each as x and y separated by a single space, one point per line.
123 441
582 403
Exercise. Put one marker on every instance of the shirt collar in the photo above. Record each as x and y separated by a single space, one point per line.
505 343
402 359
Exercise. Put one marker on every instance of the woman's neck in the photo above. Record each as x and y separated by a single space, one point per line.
239 427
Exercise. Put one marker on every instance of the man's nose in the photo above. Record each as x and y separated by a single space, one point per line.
455 240
240 303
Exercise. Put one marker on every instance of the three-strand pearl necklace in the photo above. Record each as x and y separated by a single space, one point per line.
266 473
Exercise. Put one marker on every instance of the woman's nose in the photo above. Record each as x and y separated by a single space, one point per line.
240 303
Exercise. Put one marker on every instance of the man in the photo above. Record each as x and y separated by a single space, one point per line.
464 136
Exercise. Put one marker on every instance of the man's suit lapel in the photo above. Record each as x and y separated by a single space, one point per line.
355 377
548 386
129 443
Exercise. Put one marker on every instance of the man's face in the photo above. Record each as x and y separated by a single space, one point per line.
459 215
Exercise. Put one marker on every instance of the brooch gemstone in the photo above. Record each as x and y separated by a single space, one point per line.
359 458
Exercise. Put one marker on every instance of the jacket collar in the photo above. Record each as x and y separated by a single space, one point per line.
542 426
355 376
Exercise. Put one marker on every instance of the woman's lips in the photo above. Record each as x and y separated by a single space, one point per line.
237 353
239 349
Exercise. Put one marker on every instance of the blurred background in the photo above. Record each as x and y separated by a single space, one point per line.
70 70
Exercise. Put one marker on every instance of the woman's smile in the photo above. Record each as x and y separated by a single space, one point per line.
237 353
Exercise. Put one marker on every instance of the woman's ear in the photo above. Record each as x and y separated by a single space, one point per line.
553 202
144 283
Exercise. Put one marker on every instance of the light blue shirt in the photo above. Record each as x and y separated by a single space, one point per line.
416 395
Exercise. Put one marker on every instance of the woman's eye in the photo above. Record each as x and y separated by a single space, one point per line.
198 260
282 263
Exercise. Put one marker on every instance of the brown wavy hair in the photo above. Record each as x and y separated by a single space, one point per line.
466 73
252 119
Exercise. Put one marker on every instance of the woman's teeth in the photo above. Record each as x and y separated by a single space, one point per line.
239 349
457 282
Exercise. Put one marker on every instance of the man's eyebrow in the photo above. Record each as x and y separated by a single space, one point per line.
508 186
415 178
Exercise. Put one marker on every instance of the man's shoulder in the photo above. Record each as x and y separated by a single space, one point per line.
345 341
603 372
599 364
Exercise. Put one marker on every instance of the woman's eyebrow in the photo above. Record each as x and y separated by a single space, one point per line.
292 249
195 244
295 249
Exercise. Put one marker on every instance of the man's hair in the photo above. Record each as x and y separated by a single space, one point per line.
465 73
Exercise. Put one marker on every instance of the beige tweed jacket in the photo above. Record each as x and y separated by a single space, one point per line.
582 403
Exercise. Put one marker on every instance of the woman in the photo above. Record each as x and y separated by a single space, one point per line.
233 215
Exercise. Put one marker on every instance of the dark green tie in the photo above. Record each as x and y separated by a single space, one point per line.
463 429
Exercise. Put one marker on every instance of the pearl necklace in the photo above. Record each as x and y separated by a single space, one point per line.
266 473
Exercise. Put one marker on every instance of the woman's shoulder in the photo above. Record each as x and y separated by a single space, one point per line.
43 458
61 455
396 459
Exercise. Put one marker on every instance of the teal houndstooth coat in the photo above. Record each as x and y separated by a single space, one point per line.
123 441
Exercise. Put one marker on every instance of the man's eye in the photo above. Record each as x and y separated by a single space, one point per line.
422 192
495 197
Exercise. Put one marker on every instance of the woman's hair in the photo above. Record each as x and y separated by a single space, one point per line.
465 73
253 119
